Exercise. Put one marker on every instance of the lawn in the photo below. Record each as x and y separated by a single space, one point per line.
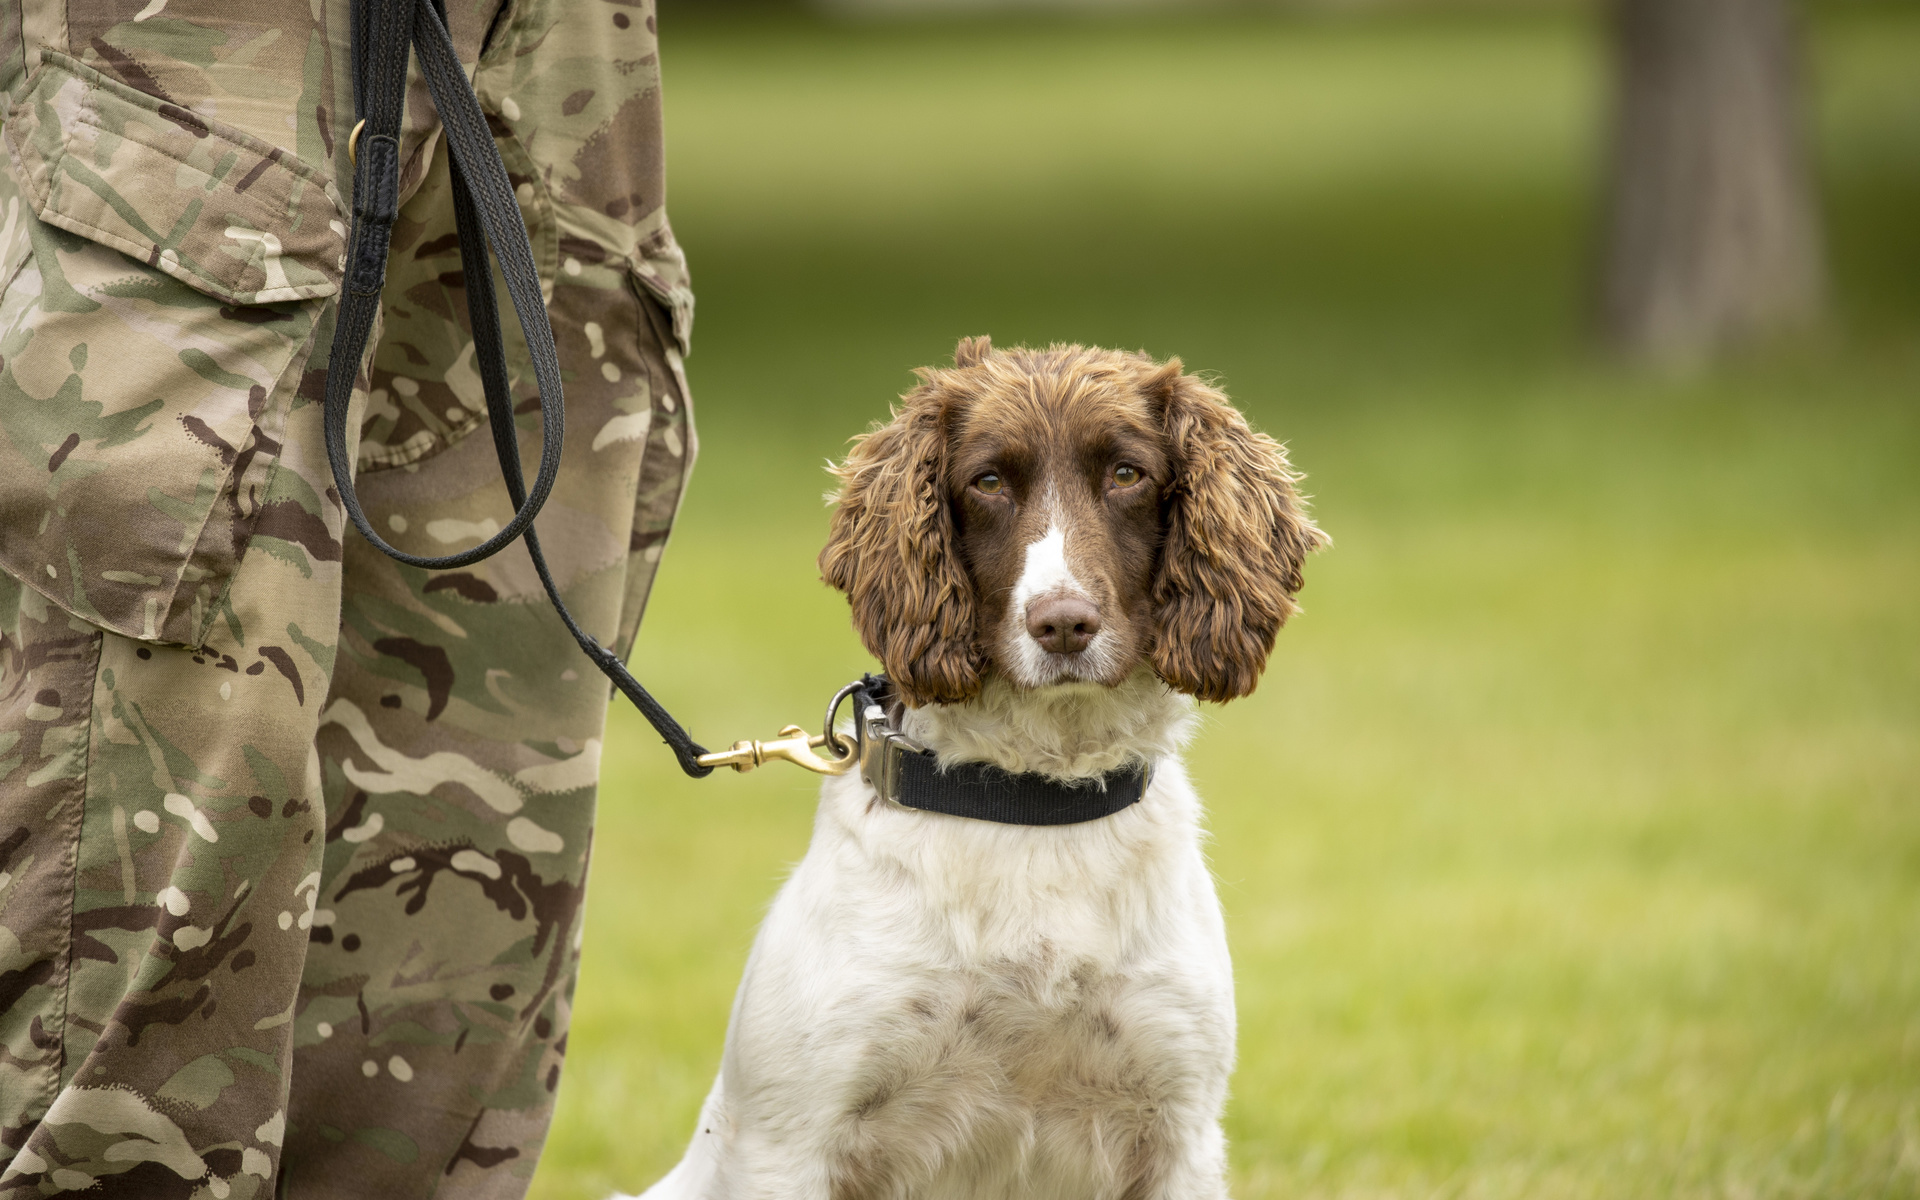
1571 847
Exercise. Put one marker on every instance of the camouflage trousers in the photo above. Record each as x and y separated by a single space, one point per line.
293 838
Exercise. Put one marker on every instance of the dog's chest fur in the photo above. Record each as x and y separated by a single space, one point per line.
944 1007
1024 1069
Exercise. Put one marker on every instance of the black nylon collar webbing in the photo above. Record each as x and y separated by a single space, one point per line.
985 792
908 775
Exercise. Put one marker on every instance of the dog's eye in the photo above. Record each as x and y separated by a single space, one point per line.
990 483
1125 476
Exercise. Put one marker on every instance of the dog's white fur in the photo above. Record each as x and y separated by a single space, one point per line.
939 1007
1048 571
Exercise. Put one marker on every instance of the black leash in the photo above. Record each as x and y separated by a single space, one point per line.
386 33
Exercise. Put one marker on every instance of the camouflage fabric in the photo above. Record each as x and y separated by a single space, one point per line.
293 838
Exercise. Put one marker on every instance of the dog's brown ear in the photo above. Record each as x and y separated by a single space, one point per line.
893 551
1237 537
972 351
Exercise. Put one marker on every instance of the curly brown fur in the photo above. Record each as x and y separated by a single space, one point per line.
1190 564
891 549
1237 539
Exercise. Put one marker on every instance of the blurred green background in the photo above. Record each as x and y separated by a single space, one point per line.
1571 845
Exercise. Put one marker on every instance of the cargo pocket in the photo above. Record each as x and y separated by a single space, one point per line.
163 277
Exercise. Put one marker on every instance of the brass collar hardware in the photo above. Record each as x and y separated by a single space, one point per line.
353 143
905 774
874 747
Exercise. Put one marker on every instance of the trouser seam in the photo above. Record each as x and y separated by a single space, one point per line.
73 866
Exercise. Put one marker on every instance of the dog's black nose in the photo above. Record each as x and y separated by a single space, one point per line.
1062 624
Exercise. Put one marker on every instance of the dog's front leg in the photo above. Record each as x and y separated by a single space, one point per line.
794 1047
731 1160
764 1168
697 1175
1195 1166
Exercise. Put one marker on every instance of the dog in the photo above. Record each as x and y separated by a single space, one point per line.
1054 553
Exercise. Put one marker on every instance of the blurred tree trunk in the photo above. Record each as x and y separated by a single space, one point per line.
1712 233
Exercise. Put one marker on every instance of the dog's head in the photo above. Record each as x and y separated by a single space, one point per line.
1063 515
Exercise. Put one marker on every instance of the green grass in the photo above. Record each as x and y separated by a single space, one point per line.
1571 846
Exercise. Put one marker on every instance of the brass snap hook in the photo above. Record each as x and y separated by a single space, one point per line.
353 143
794 745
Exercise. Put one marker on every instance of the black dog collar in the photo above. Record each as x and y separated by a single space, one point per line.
905 773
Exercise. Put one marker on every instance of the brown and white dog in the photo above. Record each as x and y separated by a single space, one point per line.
1050 551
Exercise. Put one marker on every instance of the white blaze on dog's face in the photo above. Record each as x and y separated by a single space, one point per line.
1059 523
1052 628
1063 515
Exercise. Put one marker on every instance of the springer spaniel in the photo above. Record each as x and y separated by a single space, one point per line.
1050 551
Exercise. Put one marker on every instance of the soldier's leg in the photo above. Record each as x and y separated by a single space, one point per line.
460 743
168 235
164 1115
163 808
159 796
460 749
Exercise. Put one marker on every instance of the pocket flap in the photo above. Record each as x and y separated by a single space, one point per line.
216 208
